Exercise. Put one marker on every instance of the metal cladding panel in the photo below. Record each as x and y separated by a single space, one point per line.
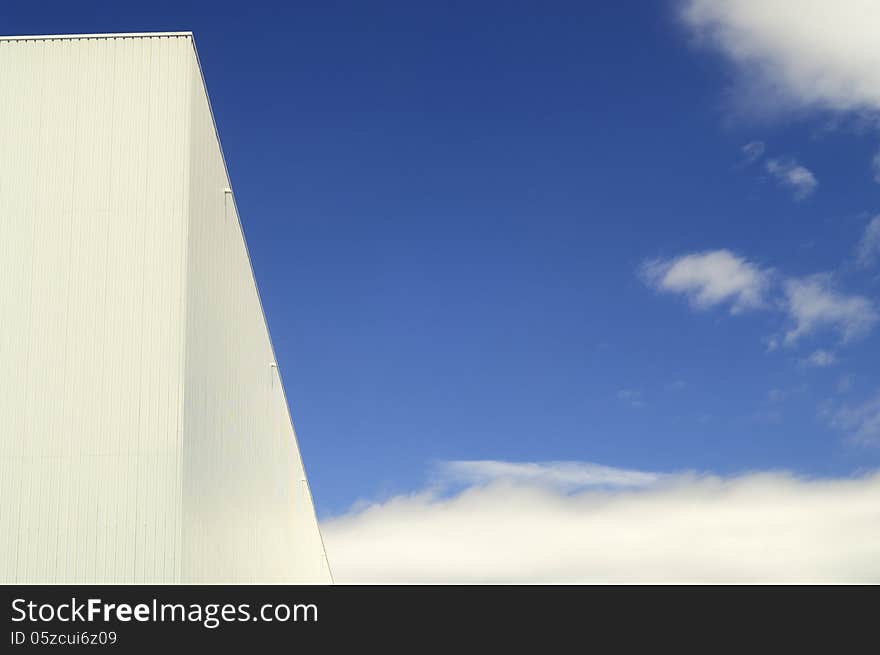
247 511
96 227
92 210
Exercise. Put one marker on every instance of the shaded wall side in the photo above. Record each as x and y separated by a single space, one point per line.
247 512
92 256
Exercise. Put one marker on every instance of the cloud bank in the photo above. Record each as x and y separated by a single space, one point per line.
532 527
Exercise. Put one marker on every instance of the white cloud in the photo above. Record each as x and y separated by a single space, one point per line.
560 475
753 151
710 278
820 359
861 423
796 53
767 527
790 174
869 247
812 304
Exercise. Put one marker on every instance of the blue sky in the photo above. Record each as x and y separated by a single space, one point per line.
533 232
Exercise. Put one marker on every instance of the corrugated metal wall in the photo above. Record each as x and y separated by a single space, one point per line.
247 513
111 434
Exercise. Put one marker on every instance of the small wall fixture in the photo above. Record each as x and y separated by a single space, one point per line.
226 192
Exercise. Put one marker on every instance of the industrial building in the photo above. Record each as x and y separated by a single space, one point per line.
145 435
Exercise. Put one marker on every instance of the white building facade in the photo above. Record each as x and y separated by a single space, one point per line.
144 432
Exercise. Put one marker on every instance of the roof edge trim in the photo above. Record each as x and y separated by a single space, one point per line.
119 35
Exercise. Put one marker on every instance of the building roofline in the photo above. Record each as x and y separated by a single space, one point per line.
119 35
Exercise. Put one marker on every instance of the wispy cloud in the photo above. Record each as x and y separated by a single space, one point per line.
753 151
561 475
785 170
860 423
820 359
810 304
776 395
792 175
631 397
795 54
813 303
522 526
868 252
710 278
